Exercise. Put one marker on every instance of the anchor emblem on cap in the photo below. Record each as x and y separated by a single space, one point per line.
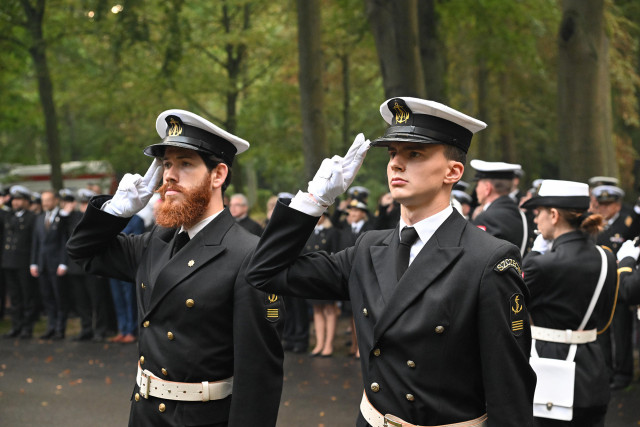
175 127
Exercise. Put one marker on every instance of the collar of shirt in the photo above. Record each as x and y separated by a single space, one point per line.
357 226
613 219
426 228
19 213
318 228
199 226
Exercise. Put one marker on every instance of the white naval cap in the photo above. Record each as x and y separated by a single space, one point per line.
84 194
607 193
180 128
67 195
357 204
20 192
461 196
494 170
596 181
427 122
560 194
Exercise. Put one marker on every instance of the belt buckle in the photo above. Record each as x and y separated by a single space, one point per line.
145 384
390 423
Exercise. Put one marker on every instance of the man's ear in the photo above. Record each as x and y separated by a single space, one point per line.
555 215
219 175
454 172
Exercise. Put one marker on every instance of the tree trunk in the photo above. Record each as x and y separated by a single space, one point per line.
346 100
506 144
394 25
432 52
314 140
482 140
584 99
37 50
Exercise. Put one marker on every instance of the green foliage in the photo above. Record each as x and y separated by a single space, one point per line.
113 73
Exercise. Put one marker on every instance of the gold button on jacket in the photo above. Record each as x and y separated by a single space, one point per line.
375 387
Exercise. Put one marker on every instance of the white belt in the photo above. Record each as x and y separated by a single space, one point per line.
566 336
376 419
151 385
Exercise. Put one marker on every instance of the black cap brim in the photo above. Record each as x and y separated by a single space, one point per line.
562 202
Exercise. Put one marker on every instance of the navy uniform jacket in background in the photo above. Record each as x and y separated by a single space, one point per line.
439 343
502 220
48 246
562 282
16 242
625 227
219 325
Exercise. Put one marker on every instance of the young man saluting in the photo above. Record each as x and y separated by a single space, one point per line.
447 341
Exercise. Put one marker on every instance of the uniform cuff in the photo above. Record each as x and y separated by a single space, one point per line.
304 202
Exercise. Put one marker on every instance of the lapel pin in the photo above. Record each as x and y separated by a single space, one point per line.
190 263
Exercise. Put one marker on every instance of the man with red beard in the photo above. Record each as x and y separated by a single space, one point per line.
209 344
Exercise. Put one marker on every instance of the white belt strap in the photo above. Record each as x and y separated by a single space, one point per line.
376 419
151 385
563 336
574 336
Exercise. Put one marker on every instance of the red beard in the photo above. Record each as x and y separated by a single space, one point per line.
188 212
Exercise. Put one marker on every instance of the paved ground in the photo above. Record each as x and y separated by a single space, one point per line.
46 383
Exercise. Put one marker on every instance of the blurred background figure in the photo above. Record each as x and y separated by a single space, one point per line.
325 313
239 208
388 213
18 224
124 295
49 262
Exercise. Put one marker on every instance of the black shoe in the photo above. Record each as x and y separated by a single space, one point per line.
83 337
619 385
49 334
312 354
11 334
58 336
26 335
299 349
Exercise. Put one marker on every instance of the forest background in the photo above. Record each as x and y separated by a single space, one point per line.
557 81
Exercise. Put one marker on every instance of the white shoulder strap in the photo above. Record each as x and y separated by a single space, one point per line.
525 232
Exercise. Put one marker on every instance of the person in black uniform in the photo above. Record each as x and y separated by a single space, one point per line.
438 342
209 344
90 293
621 224
239 208
562 272
497 213
16 253
49 263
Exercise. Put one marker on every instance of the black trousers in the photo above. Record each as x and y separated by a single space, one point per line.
90 301
296 322
56 296
617 345
23 295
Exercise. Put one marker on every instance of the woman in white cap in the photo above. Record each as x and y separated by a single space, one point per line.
573 286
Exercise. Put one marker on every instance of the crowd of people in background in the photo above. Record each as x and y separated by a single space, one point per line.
38 279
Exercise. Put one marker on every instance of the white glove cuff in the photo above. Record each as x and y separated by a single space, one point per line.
109 208
304 203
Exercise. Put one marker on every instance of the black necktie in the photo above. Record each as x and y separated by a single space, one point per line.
47 220
408 236
180 240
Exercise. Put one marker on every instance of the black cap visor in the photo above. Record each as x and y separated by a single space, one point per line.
562 202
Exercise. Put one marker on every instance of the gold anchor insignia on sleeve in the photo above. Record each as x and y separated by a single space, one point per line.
272 298
518 308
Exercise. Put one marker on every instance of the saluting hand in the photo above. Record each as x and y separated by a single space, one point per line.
134 192
336 174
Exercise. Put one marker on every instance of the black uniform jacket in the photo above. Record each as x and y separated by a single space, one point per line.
48 246
629 292
502 219
18 233
625 227
198 319
439 343
562 282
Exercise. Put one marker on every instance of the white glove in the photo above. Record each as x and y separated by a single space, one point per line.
541 244
628 248
134 192
336 174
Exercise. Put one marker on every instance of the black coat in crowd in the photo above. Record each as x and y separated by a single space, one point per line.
503 220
